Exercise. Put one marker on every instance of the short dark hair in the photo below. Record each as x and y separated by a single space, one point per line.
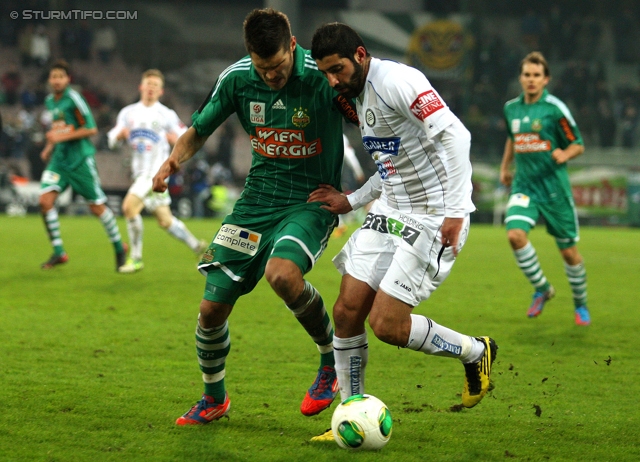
60 64
335 38
266 32
535 57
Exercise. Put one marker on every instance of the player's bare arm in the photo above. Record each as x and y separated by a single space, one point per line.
563 155
46 152
185 148
335 201
450 232
506 174
56 136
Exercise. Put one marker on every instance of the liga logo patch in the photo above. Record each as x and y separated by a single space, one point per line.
257 113
426 104
239 239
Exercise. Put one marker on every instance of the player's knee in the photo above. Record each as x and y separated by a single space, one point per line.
383 328
128 212
213 314
517 238
284 277
47 201
571 256
164 223
343 314
45 204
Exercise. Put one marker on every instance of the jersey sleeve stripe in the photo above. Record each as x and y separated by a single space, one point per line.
563 108
79 102
310 62
242 65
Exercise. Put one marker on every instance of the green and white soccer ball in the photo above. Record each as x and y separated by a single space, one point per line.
361 422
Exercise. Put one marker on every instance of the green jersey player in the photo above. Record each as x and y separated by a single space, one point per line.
71 162
287 108
543 136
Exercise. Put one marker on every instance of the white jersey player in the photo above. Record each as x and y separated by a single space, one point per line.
147 127
414 230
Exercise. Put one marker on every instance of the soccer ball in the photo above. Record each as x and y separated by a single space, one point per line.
361 422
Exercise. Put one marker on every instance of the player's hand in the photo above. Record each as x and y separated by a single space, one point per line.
450 233
46 153
124 134
334 200
54 136
168 168
506 177
559 155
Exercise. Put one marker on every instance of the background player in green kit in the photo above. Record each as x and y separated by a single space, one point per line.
71 159
286 106
543 136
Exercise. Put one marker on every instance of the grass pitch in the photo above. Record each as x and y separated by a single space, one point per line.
97 365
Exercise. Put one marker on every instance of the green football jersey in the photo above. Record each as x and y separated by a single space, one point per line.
295 132
536 130
68 113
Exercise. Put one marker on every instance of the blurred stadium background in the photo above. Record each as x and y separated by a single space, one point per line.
469 49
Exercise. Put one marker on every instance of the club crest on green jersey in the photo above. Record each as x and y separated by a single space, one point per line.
536 125
300 118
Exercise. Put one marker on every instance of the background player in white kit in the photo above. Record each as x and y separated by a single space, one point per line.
148 127
414 230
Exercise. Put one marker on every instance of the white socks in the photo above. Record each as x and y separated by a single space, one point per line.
135 229
179 230
352 355
434 339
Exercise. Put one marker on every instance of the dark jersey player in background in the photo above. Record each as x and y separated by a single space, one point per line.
543 136
286 106
71 163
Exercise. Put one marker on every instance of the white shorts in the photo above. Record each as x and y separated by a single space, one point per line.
142 188
399 253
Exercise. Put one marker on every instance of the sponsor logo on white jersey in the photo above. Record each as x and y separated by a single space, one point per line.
256 113
386 225
426 104
279 105
387 145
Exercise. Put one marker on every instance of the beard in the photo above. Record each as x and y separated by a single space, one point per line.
356 82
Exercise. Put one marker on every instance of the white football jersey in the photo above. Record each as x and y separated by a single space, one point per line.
148 127
402 119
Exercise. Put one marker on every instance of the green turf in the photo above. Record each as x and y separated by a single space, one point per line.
96 366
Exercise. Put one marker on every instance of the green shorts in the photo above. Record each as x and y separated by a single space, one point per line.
236 258
84 180
560 217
